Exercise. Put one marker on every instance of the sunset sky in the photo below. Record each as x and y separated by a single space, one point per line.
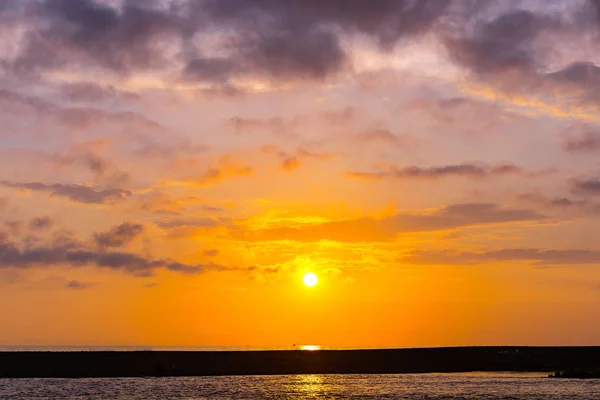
170 169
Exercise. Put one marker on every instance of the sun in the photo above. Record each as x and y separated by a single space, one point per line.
310 279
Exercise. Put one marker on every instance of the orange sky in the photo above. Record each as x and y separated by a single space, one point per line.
167 181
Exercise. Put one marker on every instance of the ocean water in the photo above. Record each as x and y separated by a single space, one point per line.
412 386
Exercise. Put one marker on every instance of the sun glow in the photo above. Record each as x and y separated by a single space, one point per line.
310 347
310 279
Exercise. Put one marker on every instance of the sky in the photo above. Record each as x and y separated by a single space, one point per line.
170 169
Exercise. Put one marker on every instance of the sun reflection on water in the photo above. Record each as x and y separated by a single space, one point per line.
310 385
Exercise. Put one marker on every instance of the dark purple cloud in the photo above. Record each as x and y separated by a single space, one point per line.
586 140
211 69
102 169
299 39
74 192
171 223
92 33
292 39
511 50
18 104
586 186
118 236
536 256
503 43
579 73
555 202
386 20
76 254
274 125
289 40
40 223
94 93
292 161
78 285
466 170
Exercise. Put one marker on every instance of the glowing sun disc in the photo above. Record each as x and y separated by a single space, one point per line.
310 347
310 279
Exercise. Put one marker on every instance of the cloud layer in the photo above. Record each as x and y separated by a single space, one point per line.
63 250
535 256
386 228
295 40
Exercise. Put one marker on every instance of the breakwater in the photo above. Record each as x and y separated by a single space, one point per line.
210 363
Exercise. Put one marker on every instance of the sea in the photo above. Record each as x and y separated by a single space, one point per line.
410 386
499 385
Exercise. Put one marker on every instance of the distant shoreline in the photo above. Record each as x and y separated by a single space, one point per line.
72 364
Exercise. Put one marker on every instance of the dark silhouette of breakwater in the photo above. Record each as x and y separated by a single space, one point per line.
183 363
577 374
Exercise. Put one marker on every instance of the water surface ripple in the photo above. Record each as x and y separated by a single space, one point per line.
411 386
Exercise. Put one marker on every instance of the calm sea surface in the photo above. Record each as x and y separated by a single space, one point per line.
426 386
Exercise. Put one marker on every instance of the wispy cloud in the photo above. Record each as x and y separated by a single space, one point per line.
465 170
584 139
74 192
118 236
40 223
535 256
71 252
383 229
589 187
78 285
